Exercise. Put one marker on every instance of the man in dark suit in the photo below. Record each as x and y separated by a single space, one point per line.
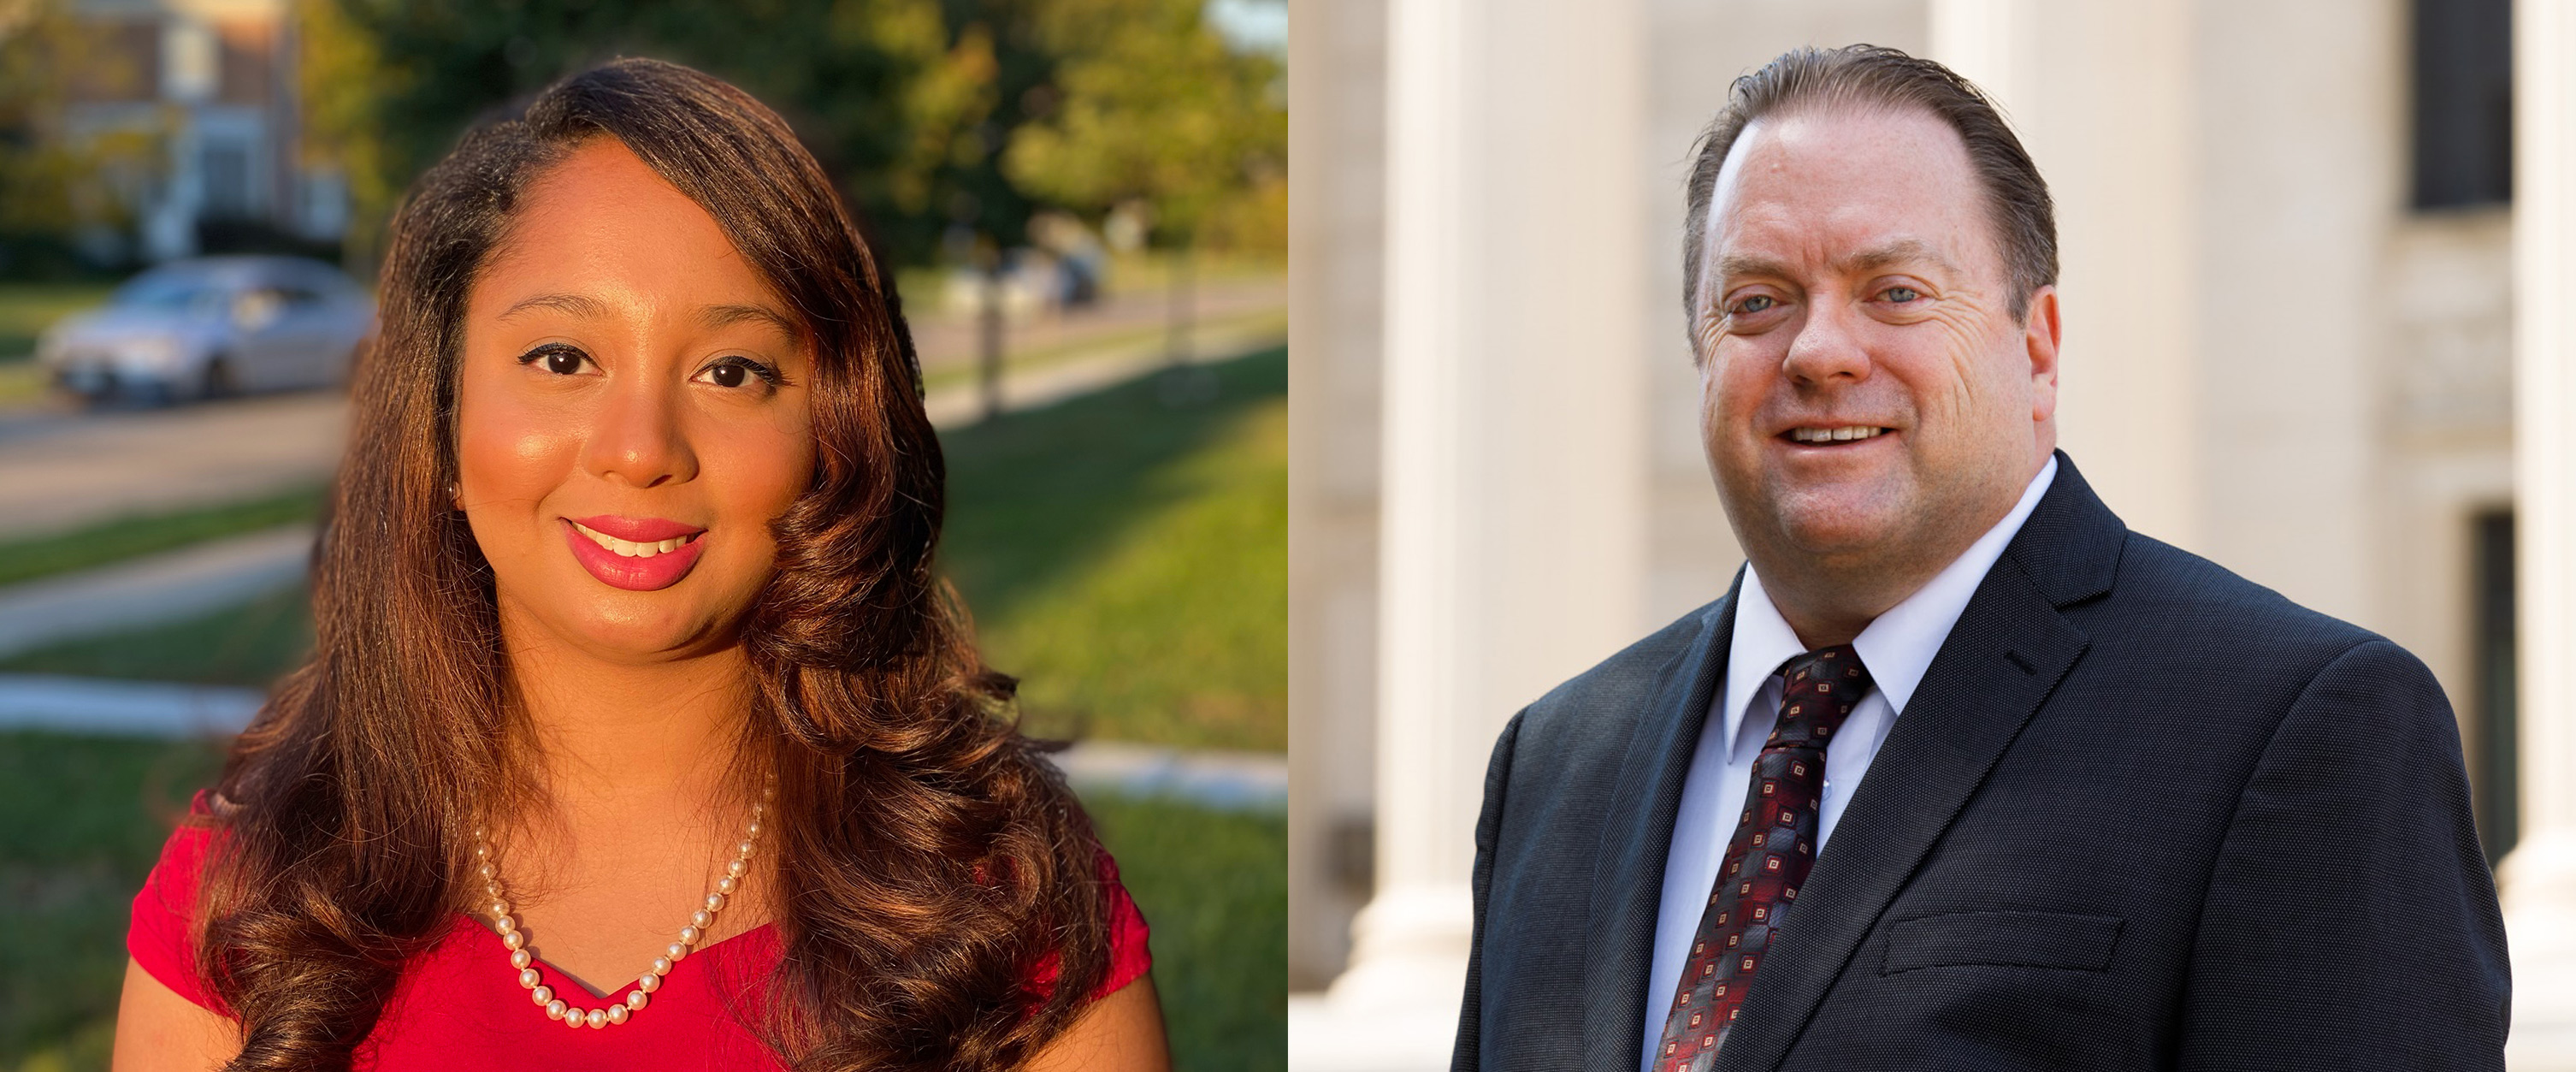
1961 773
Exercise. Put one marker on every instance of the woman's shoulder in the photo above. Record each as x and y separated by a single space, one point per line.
158 936
1130 955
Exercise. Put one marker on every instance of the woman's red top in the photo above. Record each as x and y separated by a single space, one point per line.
459 1006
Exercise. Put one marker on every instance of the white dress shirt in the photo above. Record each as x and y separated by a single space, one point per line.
1896 648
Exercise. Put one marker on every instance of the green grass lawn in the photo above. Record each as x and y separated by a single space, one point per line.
82 819
1129 559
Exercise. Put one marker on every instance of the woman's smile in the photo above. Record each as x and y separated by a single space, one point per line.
636 554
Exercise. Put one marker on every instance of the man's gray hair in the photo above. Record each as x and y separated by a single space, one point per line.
1870 76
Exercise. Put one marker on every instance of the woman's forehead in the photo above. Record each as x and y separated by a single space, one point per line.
603 221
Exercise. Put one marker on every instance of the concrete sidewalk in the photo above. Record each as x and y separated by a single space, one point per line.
1229 781
148 591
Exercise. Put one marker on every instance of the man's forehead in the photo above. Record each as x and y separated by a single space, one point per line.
1847 188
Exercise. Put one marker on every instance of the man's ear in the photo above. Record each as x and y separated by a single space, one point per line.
2039 338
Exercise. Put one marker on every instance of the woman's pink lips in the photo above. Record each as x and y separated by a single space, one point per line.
646 574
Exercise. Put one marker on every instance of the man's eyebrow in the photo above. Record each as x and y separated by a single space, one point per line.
1739 265
574 304
1899 251
718 316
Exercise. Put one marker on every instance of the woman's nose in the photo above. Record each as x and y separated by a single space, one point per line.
639 438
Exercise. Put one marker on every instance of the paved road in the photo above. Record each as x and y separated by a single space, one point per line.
62 471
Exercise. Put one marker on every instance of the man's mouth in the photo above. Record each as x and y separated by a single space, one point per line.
1845 434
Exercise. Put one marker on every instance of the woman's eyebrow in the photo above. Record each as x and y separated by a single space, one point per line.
574 304
717 316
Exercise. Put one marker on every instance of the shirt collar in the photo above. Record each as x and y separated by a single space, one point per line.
1897 647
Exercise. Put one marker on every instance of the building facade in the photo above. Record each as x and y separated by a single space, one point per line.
211 87
2287 231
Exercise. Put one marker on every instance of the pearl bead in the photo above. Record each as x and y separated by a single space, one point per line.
555 1009
482 852
596 1017
700 920
676 951
661 965
492 890
743 849
689 935
734 869
617 1013
513 939
648 984
727 884
500 908
715 902
505 925
487 872
542 995
753 829
572 1017
636 1000
519 959
528 977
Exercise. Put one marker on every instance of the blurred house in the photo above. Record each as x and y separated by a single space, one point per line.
2288 238
213 83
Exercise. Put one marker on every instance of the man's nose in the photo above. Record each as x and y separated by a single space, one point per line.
639 438
1827 347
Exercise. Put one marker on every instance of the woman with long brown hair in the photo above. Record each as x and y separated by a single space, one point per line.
630 664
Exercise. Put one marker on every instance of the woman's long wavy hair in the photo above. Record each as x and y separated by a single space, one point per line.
928 855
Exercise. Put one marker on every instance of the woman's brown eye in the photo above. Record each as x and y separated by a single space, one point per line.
729 375
563 362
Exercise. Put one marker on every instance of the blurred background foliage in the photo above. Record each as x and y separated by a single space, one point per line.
943 121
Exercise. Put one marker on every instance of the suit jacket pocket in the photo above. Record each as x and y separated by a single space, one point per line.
2009 939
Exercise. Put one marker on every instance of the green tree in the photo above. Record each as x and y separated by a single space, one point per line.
877 88
1150 107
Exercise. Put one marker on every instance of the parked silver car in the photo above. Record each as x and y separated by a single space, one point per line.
212 326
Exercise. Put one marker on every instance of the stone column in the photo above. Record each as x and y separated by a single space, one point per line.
2539 877
1514 457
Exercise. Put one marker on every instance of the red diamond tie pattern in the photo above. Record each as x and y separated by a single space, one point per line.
1766 861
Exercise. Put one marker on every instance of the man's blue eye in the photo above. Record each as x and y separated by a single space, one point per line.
1902 294
1754 304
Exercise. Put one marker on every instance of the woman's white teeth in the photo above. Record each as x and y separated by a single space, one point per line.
631 549
1832 435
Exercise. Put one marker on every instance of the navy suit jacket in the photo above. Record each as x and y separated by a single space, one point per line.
2140 814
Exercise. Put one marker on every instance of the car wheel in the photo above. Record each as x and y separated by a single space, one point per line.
218 382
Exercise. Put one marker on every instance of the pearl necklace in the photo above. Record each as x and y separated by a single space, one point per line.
524 958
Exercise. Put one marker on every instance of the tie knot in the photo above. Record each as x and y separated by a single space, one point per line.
1822 687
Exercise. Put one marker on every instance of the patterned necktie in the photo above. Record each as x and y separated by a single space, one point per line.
1766 861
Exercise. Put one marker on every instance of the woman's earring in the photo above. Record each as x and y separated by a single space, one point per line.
454 501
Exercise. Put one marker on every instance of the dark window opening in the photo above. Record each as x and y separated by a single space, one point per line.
2496 787
2463 60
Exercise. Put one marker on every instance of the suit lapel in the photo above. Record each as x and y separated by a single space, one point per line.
1636 835
2007 652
